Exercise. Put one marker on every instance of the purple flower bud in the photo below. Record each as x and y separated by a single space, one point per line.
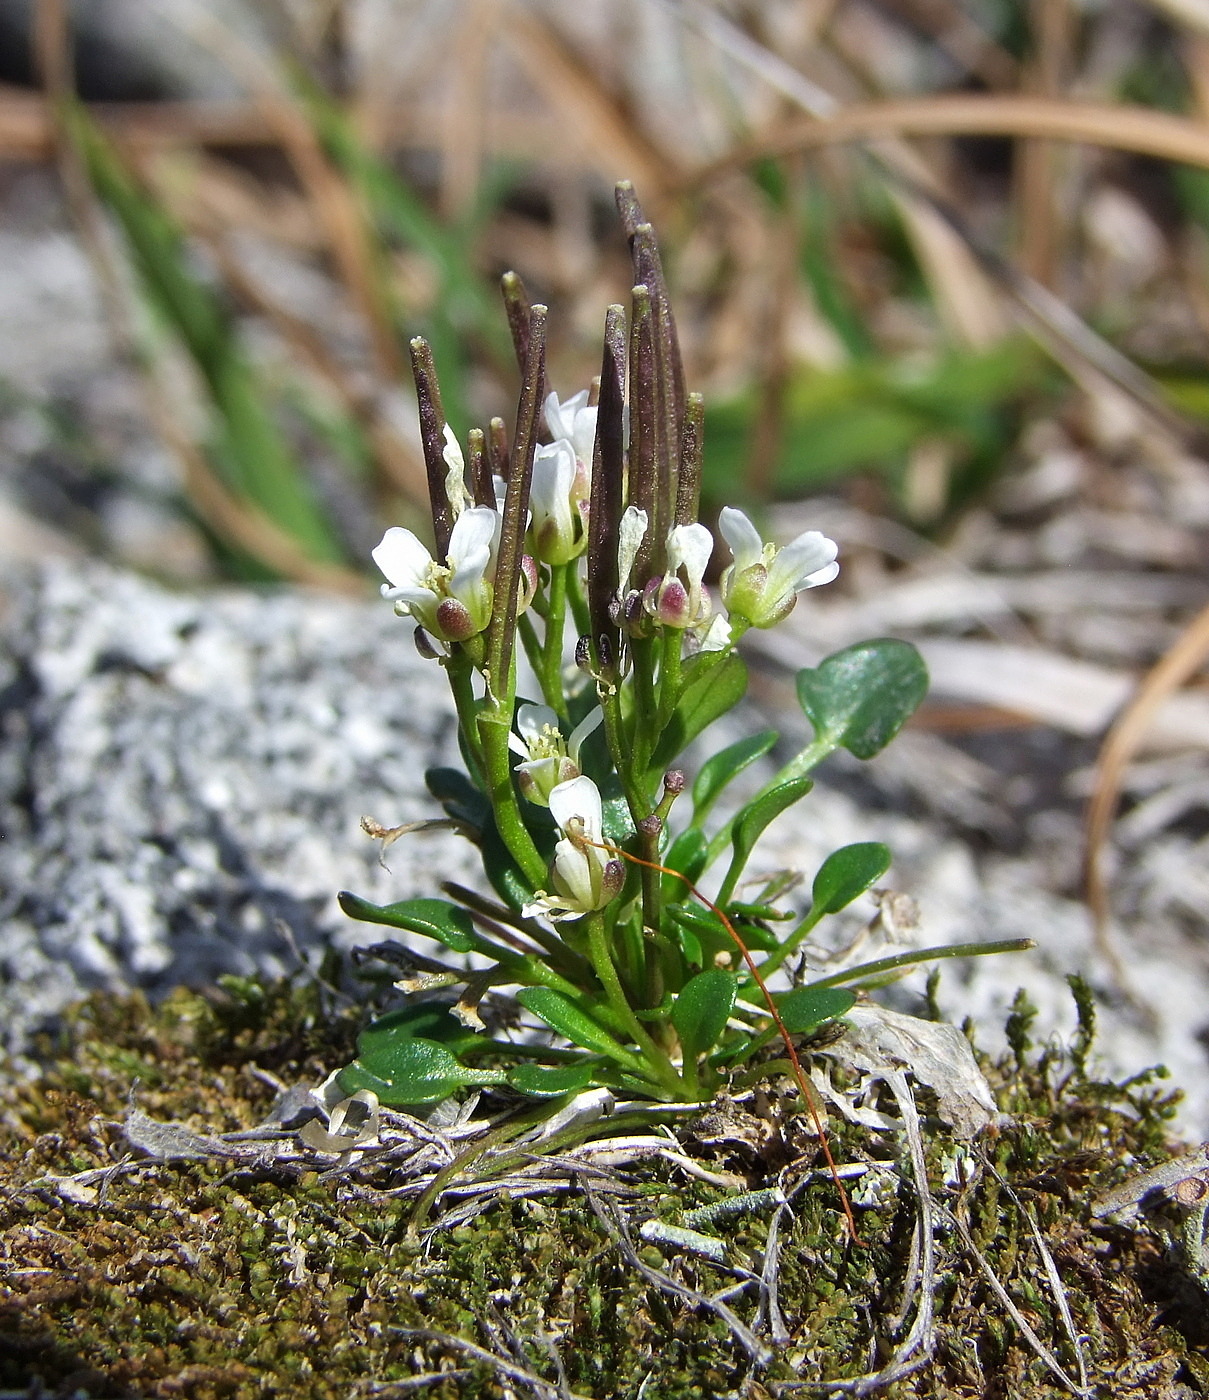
612 880
454 620
424 645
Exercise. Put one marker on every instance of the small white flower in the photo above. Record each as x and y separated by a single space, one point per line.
585 878
549 759
761 586
453 600
558 519
573 420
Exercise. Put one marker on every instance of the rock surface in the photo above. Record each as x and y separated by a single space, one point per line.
182 777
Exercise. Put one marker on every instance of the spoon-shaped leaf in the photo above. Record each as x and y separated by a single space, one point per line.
862 696
702 1010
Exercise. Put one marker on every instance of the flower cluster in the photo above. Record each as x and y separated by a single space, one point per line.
604 531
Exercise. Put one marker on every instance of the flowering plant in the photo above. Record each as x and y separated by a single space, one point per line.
581 538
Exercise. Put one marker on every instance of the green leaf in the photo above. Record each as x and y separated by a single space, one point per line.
750 823
435 918
458 796
549 1081
847 873
806 1008
718 771
714 682
563 1016
507 878
688 853
702 1009
712 933
428 1020
413 1071
862 696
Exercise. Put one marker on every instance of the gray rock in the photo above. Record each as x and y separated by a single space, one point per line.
182 779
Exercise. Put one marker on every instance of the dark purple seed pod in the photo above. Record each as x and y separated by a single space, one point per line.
583 654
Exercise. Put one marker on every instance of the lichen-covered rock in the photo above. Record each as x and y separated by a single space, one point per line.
182 779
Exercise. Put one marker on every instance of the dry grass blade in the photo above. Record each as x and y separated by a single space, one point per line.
398 462
1035 1344
1180 663
1053 1278
614 1222
241 523
232 519
386 1390
1140 130
521 1374
609 139
27 127
335 204
770 1281
954 277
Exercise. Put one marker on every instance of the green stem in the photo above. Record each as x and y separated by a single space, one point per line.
790 945
602 961
645 727
669 676
494 726
804 762
579 603
623 763
550 666
460 673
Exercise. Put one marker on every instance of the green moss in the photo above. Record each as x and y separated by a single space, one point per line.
195 1279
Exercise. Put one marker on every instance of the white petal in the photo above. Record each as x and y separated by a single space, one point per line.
580 798
473 530
690 545
717 634
630 533
583 439
742 536
560 417
805 562
590 722
532 720
466 581
553 477
402 558
573 868
455 475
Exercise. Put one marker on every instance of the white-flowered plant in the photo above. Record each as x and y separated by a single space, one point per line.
575 715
